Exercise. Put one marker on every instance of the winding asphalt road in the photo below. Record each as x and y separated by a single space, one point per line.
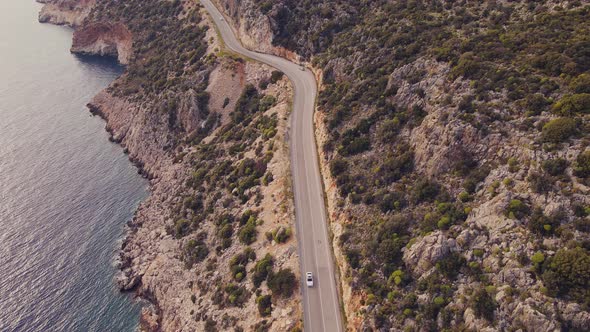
320 303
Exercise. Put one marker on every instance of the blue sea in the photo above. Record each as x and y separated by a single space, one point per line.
66 192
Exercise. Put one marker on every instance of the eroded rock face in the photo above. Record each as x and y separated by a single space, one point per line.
105 39
65 12
427 251
254 29
573 312
532 319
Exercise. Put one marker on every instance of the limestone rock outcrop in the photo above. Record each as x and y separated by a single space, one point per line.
65 12
104 39
423 254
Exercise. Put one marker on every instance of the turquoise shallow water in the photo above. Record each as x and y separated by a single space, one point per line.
65 190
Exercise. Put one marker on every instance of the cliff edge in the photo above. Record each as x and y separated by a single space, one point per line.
65 12
212 248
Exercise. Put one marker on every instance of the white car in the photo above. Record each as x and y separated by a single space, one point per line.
309 279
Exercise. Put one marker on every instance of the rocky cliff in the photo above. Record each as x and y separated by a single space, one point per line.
212 248
104 39
65 12
253 28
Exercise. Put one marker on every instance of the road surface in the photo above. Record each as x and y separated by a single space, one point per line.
320 303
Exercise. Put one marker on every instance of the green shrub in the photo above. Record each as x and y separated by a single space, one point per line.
355 146
266 103
537 259
451 265
478 252
444 222
573 104
513 165
388 130
582 224
264 303
394 167
581 84
555 167
425 190
225 231
474 178
353 257
468 66
567 274
397 277
517 209
181 228
464 196
248 232
559 130
237 264
540 183
582 167
338 166
483 304
439 300
535 104
237 295
282 283
238 272
276 76
580 210
464 163
193 203
261 270
246 105
544 225
388 239
195 251
281 234
248 215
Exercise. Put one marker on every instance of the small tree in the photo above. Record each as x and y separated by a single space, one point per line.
568 274
558 130
282 283
517 209
483 304
261 270
247 234
264 303
582 167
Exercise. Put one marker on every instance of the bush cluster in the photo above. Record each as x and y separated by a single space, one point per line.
262 270
559 130
282 283
567 274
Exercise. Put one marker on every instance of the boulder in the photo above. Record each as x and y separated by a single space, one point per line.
422 256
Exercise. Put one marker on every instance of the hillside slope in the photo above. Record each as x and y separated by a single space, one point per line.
212 248
455 153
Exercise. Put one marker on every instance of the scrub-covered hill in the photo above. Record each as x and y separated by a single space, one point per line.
213 248
454 143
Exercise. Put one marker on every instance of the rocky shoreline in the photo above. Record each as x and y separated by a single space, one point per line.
473 260
151 258
65 12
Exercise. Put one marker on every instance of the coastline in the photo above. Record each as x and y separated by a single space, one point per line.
150 259
178 253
